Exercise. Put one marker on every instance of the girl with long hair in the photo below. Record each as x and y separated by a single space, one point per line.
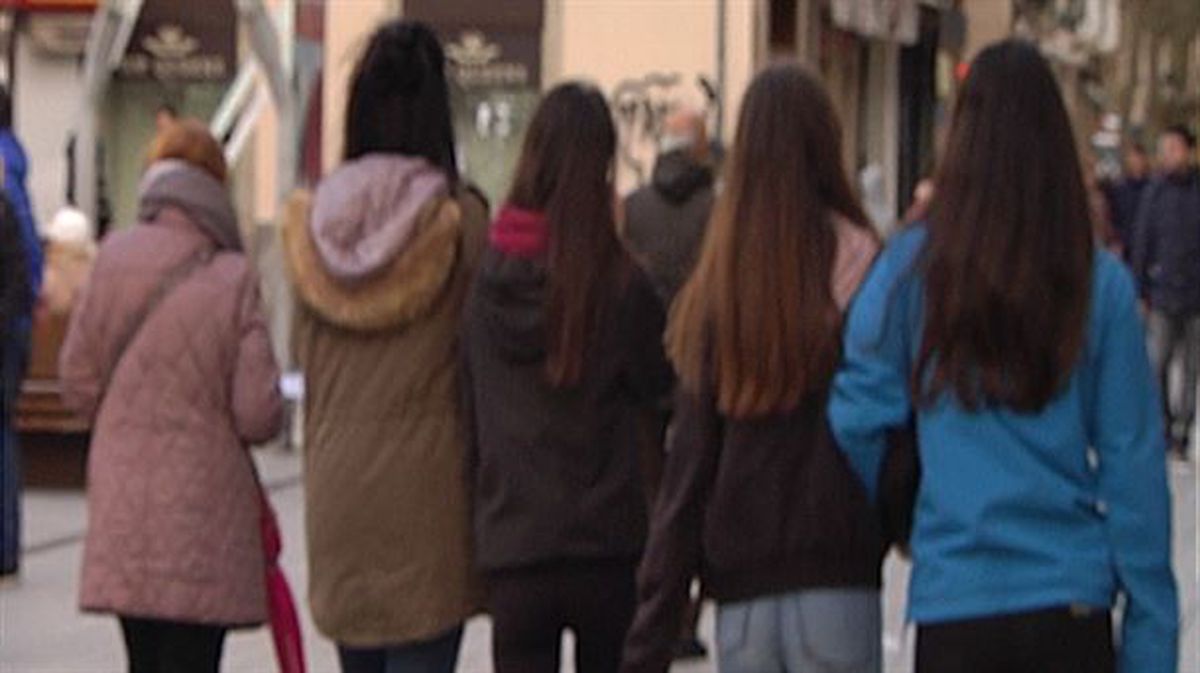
381 260
756 499
1018 346
561 347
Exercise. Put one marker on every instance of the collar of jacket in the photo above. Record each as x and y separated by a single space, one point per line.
404 290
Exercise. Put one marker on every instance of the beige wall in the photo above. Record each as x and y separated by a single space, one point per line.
348 25
987 22
602 41
609 41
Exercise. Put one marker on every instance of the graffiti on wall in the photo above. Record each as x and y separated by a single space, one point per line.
642 104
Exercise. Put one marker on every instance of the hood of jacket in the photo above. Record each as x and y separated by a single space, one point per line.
678 176
204 199
511 285
367 211
376 244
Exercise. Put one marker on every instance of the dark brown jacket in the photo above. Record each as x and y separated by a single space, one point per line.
554 472
754 507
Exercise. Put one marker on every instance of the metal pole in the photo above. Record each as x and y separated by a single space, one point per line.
719 132
112 27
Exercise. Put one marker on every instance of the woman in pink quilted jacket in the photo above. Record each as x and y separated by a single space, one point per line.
168 354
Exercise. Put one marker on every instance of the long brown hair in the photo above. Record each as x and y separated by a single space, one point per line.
758 315
565 172
1007 267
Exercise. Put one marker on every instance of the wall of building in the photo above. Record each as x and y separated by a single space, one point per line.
346 33
44 129
987 22
619 42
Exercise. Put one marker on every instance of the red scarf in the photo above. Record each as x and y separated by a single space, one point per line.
520 233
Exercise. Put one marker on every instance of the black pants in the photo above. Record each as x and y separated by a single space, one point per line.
1047 641
532 607
156 646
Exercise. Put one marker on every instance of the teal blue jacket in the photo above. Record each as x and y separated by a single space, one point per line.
1023 511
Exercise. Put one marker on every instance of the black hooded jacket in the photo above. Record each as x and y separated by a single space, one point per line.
553 472
665 221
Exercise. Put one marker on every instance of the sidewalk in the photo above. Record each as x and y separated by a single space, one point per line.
42 632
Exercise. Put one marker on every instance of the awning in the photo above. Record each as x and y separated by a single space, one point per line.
50 5
891 20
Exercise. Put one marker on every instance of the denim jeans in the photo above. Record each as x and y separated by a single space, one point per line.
12 371
439 655
1170 337
814 631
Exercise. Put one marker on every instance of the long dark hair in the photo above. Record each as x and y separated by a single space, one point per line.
399 103
759 312
565 171
1008 264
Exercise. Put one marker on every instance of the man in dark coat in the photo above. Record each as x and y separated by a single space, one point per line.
1166 259
1124 195
665 222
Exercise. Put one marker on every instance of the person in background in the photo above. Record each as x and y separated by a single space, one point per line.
1124 195
169 358
665 221
16 333
1016 344
562 347
15 302
756 498
165 115
381 262
1166 260
664 226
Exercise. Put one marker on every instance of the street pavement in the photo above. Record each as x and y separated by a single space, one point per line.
41 631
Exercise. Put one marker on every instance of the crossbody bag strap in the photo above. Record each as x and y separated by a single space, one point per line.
173 279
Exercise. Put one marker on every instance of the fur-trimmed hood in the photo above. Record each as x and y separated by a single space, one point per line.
374 247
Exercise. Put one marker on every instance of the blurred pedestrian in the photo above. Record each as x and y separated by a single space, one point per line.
15 334
562 345
1124 195
665 223
756 498
1017 345
381 264
15 301
1166 259
168 356
165 115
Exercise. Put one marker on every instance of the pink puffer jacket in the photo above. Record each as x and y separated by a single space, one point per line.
173 511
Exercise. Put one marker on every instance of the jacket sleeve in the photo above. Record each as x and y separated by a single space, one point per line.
648 372
1127 432
674 549
257 400
15 293
1143 253
870 394
81 362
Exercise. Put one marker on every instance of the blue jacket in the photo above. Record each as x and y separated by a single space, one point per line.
16 167
1015 512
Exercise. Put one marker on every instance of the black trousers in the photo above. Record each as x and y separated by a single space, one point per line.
1060 640
532 607
156 646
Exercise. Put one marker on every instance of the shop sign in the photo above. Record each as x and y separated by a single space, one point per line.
476 59
488 44
182 41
